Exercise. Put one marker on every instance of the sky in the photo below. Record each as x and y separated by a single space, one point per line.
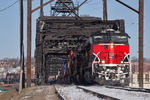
9 23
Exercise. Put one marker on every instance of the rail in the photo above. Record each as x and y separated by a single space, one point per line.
105 97
130 89
61 97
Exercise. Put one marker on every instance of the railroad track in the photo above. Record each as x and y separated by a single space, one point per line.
118 93
102 96
60 96
72 92
65 93
130 89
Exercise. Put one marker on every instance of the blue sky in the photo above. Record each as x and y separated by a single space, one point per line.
9 23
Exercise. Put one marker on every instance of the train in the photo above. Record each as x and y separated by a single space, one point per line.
57 36
80 49
104 58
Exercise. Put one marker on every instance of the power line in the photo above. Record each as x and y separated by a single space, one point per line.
1 10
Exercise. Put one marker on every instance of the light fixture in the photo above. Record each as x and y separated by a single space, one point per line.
103 61
112 45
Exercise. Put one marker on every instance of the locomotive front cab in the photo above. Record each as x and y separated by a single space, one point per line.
111 56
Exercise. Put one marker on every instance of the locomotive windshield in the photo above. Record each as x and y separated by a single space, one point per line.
101 38
119 38
106 38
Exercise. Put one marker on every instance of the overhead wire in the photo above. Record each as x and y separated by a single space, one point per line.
3 9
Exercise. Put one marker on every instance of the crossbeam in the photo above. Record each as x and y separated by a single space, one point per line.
128 6
42 5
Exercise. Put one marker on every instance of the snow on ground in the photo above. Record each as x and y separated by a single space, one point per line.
73 93
118 93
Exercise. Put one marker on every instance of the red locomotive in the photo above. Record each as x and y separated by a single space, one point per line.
111 56
104 58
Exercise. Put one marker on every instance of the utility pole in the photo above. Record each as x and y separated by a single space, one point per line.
41 10
104 9
28 63
29 24
141 22
22 74
141 33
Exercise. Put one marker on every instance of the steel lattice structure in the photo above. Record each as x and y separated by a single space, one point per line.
64 8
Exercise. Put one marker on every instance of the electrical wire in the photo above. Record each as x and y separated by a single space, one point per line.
1 10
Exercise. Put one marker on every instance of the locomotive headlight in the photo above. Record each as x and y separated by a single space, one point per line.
112 45
103 61
121 62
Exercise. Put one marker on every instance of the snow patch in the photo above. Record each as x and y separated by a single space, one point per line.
119 93
73 93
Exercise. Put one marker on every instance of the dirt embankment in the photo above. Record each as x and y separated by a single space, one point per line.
33 93
9 94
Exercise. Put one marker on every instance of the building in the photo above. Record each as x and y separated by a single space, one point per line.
134 75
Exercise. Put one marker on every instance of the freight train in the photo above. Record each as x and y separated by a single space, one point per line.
104 58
